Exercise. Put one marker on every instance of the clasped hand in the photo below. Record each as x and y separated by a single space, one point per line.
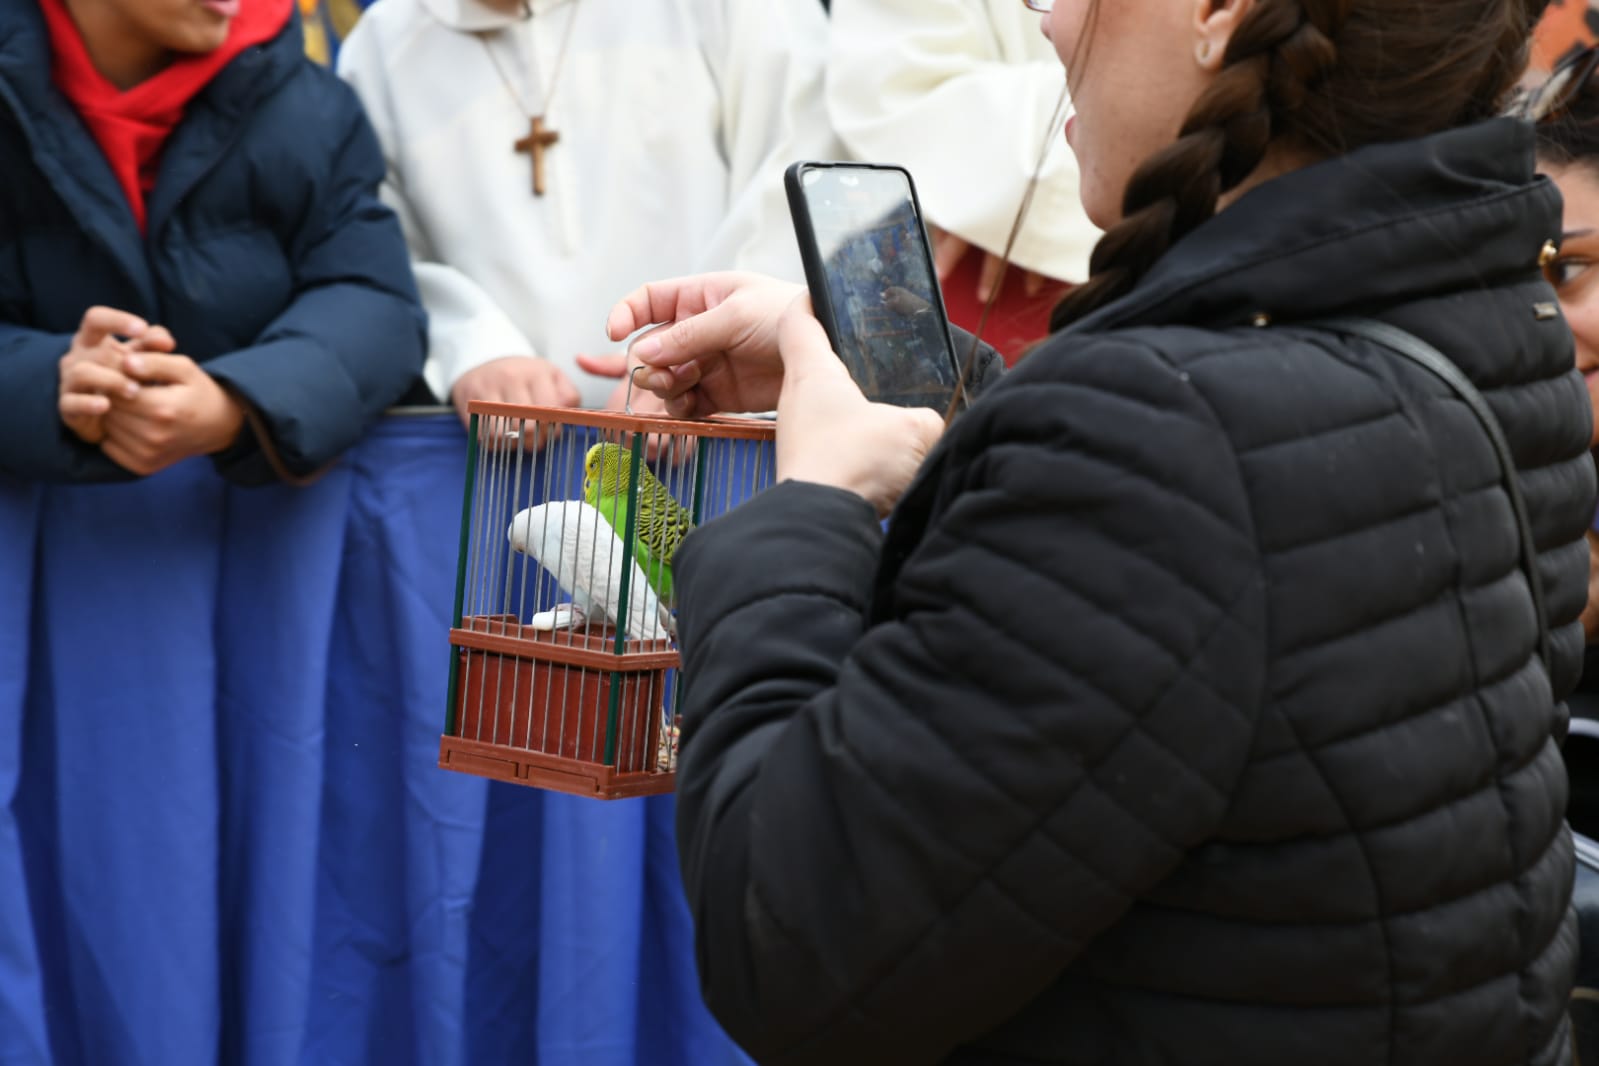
742 342
144 405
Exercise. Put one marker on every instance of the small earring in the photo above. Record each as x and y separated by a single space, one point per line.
1203 53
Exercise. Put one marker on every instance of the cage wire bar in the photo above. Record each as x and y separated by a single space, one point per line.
521 629
629 535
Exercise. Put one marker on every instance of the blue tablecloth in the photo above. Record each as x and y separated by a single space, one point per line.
223 836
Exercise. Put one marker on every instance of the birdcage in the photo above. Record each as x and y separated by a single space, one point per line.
564 665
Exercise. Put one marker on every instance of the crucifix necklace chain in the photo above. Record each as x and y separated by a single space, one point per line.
540 138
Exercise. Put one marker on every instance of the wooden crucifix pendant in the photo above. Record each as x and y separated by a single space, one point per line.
535 143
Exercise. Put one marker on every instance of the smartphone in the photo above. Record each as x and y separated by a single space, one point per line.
869 266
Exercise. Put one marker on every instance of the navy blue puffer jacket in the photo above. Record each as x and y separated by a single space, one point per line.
268 256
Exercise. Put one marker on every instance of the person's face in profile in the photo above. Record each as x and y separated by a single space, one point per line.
1134 70
191 27
1574 272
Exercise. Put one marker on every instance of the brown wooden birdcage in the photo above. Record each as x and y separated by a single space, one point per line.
564 665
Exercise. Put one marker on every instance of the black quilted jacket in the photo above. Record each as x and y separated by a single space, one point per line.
1190 712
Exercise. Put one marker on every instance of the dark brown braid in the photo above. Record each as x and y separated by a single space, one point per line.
1317 77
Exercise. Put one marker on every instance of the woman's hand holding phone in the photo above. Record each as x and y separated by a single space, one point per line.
829 433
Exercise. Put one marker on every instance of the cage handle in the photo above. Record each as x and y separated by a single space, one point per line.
627 401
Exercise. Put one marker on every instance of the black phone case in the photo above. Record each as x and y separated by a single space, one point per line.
811 256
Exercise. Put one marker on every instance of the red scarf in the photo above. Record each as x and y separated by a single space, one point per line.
131 127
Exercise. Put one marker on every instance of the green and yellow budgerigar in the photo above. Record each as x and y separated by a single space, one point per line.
662 521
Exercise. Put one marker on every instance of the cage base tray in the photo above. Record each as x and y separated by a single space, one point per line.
535 769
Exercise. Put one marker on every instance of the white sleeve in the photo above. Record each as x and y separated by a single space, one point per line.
957 92
768 58
466 328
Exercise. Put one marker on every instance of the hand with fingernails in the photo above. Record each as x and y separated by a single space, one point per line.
124 388
714 345
741 342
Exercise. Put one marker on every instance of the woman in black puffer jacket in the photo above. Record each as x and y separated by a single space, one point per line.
1192 708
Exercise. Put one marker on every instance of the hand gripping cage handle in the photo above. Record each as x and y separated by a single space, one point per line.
1425 355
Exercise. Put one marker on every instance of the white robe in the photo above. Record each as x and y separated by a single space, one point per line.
676 119
961 92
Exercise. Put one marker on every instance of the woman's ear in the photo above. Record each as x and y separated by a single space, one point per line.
1215 21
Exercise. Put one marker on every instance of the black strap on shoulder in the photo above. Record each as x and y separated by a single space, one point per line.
1420 352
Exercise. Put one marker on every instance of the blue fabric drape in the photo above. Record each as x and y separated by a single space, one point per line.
223 835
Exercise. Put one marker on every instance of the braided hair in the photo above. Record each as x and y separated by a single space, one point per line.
1316 78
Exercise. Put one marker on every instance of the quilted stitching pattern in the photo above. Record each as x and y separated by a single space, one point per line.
1196 715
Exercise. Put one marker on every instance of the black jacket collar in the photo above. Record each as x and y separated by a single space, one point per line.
1383 225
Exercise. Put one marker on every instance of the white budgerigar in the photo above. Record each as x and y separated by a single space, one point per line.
574 542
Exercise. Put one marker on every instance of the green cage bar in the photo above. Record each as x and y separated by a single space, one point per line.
460 570
613 711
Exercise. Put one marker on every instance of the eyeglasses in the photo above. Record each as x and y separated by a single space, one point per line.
1040 5
1550 101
